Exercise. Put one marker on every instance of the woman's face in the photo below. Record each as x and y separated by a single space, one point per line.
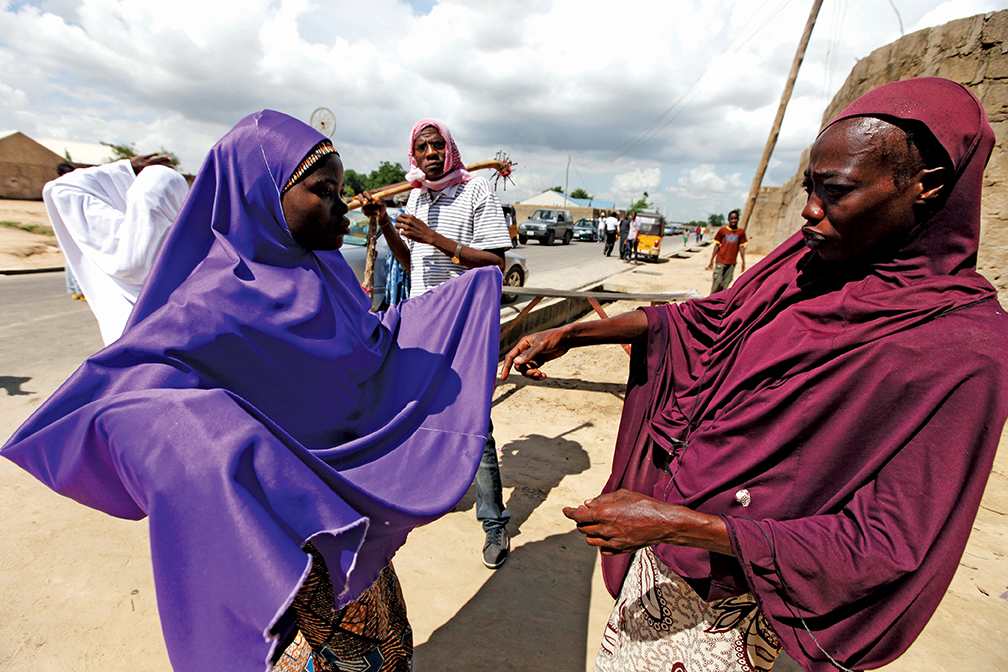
314 210
857 209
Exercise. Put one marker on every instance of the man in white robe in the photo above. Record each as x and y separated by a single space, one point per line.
110 221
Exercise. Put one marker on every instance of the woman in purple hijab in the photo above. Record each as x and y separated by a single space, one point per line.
800 459
254 408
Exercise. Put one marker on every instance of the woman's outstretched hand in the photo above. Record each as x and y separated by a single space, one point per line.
533 351
626 521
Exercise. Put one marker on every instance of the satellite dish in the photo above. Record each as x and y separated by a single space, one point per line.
323 121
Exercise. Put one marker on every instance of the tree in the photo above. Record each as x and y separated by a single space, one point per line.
557 189
581 193
128 151
641 205
120 152
175 163
386 174
353 183
716 220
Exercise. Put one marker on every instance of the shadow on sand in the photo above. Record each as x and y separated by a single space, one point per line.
533 465
13 385
532 615
533 612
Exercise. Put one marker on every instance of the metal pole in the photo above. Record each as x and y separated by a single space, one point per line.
775 131
567 178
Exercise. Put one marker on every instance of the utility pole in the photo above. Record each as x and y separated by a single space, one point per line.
775 131
567 178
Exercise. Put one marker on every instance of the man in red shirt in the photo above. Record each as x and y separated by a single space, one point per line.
729 243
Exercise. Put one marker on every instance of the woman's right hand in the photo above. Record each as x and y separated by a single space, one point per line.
535 350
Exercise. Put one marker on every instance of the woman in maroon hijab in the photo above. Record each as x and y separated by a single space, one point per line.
800 459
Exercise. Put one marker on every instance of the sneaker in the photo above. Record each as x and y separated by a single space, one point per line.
496 548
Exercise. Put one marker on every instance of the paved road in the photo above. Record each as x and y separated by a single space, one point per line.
577 265
44 335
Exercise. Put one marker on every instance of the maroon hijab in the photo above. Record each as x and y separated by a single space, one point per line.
843 422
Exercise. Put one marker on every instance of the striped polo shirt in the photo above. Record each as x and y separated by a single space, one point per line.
468 213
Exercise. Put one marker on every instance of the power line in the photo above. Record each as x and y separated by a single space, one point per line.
644 135
663 114
898 17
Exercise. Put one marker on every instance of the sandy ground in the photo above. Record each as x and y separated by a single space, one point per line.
76 591
19 249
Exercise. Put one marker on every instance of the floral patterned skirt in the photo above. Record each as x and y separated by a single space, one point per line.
369 635
659 623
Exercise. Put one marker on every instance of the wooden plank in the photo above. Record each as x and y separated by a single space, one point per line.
521 316
601 313
603 296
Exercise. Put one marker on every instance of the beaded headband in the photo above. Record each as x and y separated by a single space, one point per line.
321 150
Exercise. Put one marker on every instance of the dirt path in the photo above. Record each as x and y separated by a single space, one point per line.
76 590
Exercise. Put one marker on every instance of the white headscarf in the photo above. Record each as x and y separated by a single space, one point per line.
110 224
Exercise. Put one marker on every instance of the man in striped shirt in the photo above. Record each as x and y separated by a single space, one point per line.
453 222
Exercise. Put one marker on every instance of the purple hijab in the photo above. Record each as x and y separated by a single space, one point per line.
860 409
254 403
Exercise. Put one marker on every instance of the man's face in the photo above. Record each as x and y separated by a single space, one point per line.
855 209
314 210
733 220
430 151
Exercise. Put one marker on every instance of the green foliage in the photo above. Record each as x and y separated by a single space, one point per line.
30 228
386 174
128 151
353 182
581 193
716 220
641 205
119 152
557 189
175 163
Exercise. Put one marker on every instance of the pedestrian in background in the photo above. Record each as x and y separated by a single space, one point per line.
624 232
729 244
632 238
611 223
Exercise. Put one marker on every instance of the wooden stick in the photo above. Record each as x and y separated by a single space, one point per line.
399 187
775 131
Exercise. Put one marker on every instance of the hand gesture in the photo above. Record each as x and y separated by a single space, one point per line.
414 229
374 207
140 162
533 351
623 521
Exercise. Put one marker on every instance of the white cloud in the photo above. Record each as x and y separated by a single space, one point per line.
630 186
636 98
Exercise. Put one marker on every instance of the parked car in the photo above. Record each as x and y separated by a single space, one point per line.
586 229
547 225
675 230
355 250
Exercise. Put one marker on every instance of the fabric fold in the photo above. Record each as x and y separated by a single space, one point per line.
858 408
254 403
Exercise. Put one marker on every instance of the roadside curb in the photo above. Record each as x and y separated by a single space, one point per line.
28 271
555 312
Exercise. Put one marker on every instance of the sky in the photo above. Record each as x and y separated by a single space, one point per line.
672 98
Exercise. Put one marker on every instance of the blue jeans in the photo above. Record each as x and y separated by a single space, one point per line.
71 282
489 499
